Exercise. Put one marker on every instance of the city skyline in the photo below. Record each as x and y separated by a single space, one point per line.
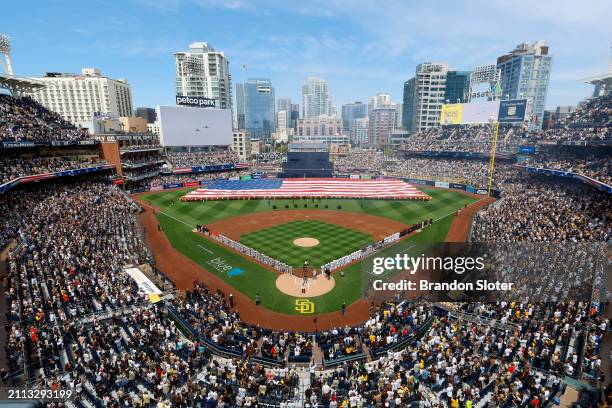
329 40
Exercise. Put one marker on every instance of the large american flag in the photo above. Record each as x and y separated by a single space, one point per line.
295 188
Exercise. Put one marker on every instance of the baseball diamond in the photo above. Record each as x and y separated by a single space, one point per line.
271 226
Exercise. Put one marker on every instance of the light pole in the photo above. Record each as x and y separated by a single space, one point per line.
495 125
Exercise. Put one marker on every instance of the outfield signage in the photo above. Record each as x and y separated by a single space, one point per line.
196 101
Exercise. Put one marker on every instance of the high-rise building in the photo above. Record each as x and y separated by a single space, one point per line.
399 113
525 74
407 107
78 98
241 144
146 113
255 108
321 129
316 100
424 96
295 114
359 131
204 72
457 86
283 104
381 125
352 111
380 100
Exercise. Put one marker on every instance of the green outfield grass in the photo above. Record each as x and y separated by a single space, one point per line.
334 242
178 219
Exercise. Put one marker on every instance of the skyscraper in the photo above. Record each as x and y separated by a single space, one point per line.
316 100
381 125
284 104
295 114
380 100
457 86
424 96
352 111
204 72
255 107
525 74
407 107
359 131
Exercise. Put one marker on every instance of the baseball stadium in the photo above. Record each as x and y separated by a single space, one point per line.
183 269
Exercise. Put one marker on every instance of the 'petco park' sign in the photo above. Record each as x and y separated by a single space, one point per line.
198 101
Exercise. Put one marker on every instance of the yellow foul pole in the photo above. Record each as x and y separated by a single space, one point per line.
492 160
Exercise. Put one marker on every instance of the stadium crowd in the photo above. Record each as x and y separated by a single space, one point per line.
77 321
24 119
465 138
597 166
545 208
203 158
12 167
595 111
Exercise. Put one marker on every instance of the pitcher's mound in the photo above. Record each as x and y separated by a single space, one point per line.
306 242
292 285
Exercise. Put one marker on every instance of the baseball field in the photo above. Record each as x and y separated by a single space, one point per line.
329 229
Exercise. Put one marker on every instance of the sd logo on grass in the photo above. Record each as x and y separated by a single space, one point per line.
304 306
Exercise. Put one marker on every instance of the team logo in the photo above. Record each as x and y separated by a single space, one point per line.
304 306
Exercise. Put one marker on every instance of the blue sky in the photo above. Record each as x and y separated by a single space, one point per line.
360 47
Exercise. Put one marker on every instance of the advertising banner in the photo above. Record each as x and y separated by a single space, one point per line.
470 189
172 185
512 111
441 184
457 186
484 112
247 177
191 183
157 188
419 181
451 114
354 176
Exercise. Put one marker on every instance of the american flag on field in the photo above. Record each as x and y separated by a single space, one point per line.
294 188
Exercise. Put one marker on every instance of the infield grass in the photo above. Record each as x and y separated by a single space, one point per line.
334 242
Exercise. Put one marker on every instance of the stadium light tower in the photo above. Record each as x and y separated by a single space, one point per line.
5 49
495 124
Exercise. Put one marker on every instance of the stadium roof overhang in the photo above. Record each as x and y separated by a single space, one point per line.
17 85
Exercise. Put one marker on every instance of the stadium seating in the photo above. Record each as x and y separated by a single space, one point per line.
24 119
74 320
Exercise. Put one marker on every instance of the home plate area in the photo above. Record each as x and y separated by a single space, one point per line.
297 286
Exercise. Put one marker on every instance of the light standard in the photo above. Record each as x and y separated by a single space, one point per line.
495 125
